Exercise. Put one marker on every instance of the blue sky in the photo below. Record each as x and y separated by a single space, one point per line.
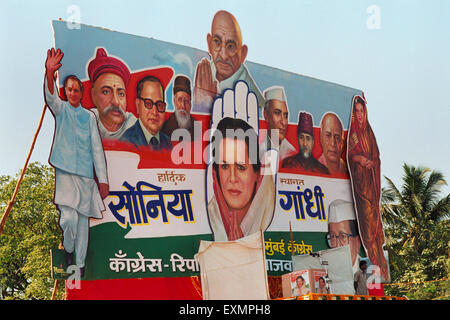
403 67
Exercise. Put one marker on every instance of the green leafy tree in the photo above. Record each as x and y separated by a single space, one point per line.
30 232
417 229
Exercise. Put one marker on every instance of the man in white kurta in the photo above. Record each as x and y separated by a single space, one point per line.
77 150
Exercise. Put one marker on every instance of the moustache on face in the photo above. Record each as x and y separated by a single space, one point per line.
114 109
182 113
228 62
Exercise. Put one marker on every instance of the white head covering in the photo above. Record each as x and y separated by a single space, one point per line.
341 210
275 93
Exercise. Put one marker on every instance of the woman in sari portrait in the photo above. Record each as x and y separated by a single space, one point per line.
364 162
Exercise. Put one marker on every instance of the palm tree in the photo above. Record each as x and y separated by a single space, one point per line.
417 206
417 228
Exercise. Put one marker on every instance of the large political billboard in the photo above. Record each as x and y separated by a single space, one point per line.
158 146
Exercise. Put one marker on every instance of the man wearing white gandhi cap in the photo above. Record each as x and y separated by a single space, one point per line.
343 229
276 114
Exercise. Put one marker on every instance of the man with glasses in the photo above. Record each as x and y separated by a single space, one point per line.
109 78
343 229
227 63
151 109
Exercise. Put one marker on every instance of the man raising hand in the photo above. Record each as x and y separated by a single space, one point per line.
76 152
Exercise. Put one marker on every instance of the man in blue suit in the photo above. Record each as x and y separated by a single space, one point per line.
151 108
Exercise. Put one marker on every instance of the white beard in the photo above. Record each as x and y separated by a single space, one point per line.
306 153
183 119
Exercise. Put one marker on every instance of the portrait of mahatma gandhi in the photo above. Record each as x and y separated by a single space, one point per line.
226 67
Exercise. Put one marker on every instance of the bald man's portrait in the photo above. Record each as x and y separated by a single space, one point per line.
226 67
332 141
